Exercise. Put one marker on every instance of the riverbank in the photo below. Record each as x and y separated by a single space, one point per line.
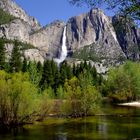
133 104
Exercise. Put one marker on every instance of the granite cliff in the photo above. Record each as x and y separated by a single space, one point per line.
92 36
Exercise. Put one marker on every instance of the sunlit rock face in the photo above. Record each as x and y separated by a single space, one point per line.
11 7
49 38
128 36
34 55
16 30
94 27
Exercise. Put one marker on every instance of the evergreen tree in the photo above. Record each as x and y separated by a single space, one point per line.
56 80
74 69
63 73
2 55
15 61
47 76
94 75
39 67
25 65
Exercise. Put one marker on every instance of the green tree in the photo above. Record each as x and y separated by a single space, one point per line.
73 95
123 83
25 65
90 96
81 96
34 75
56 81
2 55
63 73
19 101
15 61
47 79
39 67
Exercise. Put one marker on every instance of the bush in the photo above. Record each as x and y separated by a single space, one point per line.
81 98
124 82
18 99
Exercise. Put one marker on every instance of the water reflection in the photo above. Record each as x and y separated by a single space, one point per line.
114 127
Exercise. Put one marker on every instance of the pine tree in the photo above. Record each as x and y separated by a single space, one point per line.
74 69
2 55
25 65
63 73
15 61
56 81
39 67
47 76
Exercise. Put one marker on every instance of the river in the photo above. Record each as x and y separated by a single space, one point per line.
118 123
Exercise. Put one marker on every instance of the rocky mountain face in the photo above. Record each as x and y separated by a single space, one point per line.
11 7
92 36
94 27
128 36
49 38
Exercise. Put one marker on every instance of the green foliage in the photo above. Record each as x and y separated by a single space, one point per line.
50 93
45 106
49 70
22 46
15 61
60 92
2 55
25 65
124 82
81 96
61 87
5 17
34 74
18 98
65 72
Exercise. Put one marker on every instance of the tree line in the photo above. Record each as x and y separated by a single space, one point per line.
70 89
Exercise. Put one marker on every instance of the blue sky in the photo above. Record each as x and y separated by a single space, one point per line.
46 11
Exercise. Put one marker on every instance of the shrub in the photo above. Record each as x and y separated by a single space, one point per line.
18 98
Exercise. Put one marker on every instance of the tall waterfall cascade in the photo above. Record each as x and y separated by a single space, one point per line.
64 51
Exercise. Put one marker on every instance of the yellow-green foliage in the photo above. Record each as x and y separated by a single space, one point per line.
124 82
80 100
18 98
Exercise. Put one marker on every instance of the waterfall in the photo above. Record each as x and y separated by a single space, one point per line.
63 53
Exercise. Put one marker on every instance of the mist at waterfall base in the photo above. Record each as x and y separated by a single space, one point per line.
64 52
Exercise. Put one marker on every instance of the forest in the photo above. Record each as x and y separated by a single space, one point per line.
30 91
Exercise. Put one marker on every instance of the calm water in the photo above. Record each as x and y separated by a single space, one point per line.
125 126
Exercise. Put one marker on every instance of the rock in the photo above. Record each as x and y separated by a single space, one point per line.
94 27
9 48
49 38
16 29
12 8
34 55
128 36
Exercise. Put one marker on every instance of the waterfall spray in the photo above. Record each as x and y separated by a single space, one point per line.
63 54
